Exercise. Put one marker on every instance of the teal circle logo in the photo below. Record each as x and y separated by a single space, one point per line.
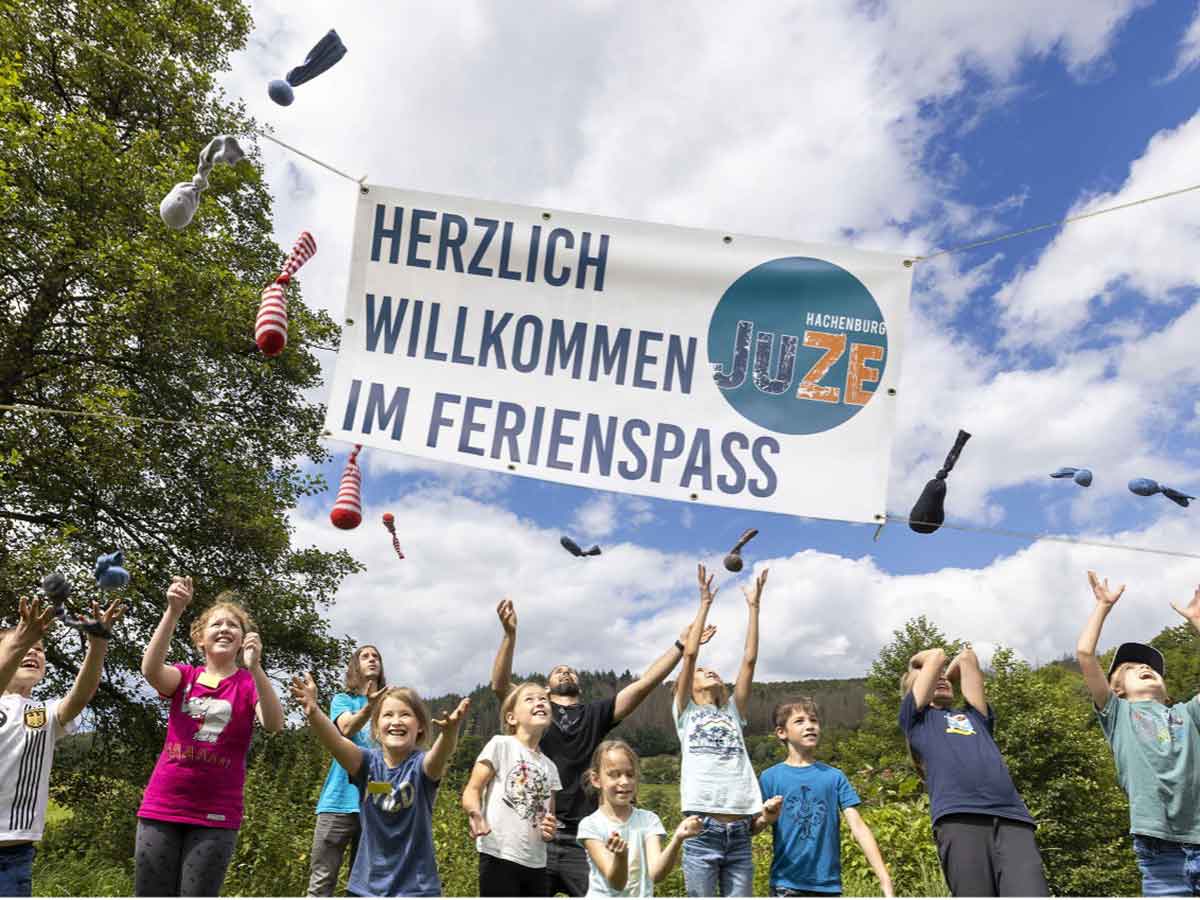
797 345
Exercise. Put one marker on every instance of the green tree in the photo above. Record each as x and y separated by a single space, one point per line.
103 106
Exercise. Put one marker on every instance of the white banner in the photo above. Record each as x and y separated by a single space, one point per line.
624 356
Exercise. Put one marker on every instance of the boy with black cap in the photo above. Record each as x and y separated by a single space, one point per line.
1156 749
983 830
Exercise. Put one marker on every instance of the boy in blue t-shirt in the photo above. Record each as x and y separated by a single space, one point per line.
805 799
983 830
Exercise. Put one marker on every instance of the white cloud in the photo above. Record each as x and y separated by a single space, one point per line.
823 615
1188 54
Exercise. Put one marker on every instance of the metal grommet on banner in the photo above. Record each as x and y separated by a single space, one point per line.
891 392
349 321
693 496
908 263
727 239
511 467
546 216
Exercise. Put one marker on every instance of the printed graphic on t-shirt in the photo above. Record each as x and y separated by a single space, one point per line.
35 717
1149 729
213 713
958 723
714 734
527 792
390 798
807 813
3 718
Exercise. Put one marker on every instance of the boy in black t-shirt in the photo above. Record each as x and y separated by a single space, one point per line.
576 730
983 831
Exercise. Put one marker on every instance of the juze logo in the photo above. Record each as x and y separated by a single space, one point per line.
831 347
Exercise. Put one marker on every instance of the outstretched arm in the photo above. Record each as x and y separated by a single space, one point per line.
1085 650
691 647
866 839
437 760
745 679
160 676
928 664
632 695
88 678
964 668
37 618
502 667
662 861
348 754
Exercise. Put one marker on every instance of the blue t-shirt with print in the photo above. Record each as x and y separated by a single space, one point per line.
964 770
807 853
338 795
395 853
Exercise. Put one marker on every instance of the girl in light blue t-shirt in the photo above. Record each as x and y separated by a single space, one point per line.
717 779
625 853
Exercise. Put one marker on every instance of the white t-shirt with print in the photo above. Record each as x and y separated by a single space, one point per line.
716 774
641 823
29 729
516 801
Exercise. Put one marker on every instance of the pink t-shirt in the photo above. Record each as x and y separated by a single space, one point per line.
199 776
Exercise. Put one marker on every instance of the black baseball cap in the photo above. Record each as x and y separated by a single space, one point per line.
1138 653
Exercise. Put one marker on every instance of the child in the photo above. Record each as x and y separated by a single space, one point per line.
509 799
805 795
29 730
625 856
717 777
398 784
337 807
1155 747
983 831
192 808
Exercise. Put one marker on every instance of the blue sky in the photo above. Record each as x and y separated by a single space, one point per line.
891 127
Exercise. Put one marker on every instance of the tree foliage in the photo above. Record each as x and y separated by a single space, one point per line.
103 107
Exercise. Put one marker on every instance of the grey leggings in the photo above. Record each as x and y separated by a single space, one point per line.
176 860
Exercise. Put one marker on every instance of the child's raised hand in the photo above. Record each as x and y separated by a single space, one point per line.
1104 596
707 594
1191 612
478 824
616 844
689 828
37 618
252 650
705 635
304 691
754 595
106 619
508 616
454 719
549 826
179 594
771 810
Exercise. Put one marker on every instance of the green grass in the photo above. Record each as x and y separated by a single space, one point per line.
56 814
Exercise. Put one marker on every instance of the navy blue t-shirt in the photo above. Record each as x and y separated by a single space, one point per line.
395 853
964 770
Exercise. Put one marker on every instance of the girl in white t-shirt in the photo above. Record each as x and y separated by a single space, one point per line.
717 779
509 798
625 854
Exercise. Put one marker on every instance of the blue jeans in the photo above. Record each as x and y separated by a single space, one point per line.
1169 868
16 870
719 855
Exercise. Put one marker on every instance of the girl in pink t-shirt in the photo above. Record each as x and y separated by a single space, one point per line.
192 807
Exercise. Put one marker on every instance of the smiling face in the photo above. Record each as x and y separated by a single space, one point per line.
30 671
708 687
616 778
398 726
527 708
223 634
1137 681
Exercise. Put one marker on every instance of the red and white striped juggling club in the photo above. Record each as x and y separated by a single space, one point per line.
270 328
347 509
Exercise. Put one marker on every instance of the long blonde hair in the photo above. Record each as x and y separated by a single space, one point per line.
414 702
611 746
